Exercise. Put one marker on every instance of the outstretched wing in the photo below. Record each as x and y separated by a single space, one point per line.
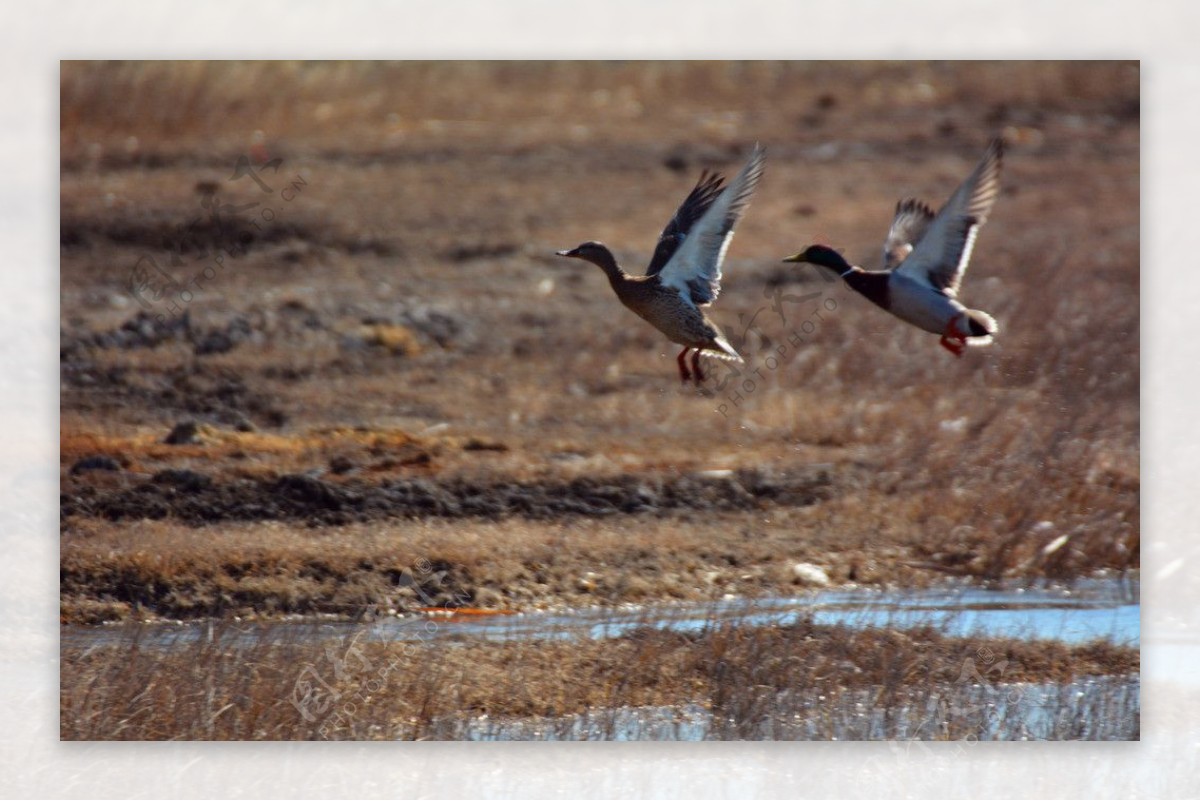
941 255
908 226
692 209
695 267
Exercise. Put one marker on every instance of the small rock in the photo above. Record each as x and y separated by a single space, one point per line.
1055 544
223 340
146 330
477 444
186 480
308 490
214 342
95 463
185 433
808 573
339 465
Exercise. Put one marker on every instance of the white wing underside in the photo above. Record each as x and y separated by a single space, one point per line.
695 268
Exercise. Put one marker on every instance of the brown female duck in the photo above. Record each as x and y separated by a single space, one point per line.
684 276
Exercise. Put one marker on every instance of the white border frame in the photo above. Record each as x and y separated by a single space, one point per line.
1162 34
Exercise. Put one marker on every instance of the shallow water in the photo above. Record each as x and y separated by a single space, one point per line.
980 705
1093 708
1090 609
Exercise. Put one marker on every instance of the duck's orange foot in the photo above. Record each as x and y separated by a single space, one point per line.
684 375
955 345
953 341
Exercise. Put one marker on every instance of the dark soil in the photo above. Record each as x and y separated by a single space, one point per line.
195 498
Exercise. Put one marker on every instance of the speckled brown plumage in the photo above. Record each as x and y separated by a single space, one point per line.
662 307
685 272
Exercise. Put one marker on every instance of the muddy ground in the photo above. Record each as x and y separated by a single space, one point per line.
314 336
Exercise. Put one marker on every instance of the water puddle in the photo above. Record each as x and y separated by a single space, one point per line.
1087 610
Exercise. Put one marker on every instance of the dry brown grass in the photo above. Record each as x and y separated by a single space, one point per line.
190 102
273 688
162 568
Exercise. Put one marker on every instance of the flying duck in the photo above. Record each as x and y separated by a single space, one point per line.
924 258
684 276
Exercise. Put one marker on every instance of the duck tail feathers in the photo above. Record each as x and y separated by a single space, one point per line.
723 350
981 326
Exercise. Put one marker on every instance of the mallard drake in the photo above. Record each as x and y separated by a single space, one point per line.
924 258
684 276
